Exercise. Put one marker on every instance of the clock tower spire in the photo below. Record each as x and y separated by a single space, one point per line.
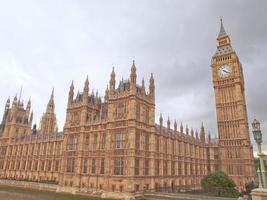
236 153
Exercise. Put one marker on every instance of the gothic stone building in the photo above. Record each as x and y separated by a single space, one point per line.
111 144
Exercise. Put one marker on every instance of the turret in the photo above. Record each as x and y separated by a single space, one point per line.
86 91
133 76
71 94
112 81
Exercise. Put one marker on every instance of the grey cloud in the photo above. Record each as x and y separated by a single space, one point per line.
49 43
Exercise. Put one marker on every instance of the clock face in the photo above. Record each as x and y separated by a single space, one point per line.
224 71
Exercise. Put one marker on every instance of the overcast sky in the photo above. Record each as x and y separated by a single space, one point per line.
46 44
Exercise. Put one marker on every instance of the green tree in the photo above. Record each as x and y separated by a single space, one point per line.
219 184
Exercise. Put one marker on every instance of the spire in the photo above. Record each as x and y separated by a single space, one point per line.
202 133
186 130
222 30
160 120
106 95
52 94
192 132
14 103
51 105
181 128
71 93
143 86
86 90
7 103
112 81
175 125
168 123
152 86
29 104
133 75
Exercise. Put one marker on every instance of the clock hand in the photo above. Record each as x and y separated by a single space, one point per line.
226 71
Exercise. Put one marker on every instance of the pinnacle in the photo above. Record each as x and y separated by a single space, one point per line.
222 30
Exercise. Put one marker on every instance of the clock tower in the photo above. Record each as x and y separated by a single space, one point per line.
236 153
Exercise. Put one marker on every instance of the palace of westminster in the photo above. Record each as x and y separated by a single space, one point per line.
114 144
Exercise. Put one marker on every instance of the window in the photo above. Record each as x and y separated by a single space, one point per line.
165 168
103 143
118 166
136 167
157 143
137 139
57 165
85 166
157 167
87 141
93 166
102 166
42 166
147 142
146 115
173 168
120 110
49 166
95 142
72 142
70 165
119 140
146 167
36 165
138 112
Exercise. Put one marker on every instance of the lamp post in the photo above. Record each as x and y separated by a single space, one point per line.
256 129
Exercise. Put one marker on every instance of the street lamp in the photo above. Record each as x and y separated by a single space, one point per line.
256 129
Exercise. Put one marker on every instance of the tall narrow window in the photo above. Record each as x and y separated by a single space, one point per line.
137 139
146 142
138 112
118 166
103 143
157 143
95 142
136 170
146 167
93 166
119 141
157 167
72 142
85 166
70 165
102 166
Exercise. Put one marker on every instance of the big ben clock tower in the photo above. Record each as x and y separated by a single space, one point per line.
236 153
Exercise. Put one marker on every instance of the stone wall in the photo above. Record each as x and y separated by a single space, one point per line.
31 185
